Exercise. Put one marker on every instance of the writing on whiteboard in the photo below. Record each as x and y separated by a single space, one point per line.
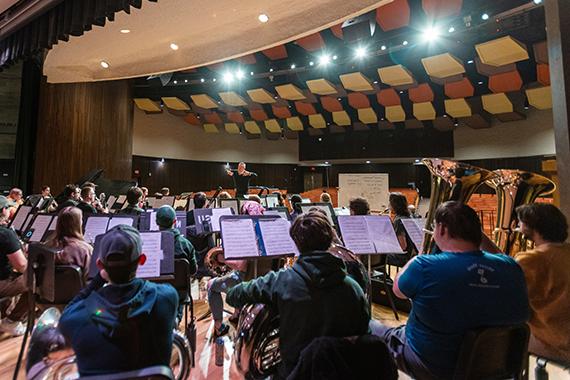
372 186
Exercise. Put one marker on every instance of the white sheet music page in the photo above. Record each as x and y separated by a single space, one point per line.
122 199
152 249
94 227
40 226
117 221
415 230
239 239
354 230
216 213
153 225
276 238
53 224
382 234
20 217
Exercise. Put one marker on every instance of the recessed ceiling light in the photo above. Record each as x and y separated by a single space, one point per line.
480 82
271 70
263 18
335 57
470 61
293 66
451 29
375 82
405 43
383 47
202 80
125 31
326 162
311 63
251 73
104 65
173 46
485 16
185 80
175 82
213 80
367 162
320 139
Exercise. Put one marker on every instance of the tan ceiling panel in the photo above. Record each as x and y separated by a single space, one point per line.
211 128
232 128
457 108
443 66
502 51
204 101
395 114
496 103
341 118
290 92
232 98
540 97
261 95
147 105
175 104
321 87
252 127
317 121
367 116
356 82
396 75
424 111
294 123
272 126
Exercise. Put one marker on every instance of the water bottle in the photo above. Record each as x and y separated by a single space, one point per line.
220 352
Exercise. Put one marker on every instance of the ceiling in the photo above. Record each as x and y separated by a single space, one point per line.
205 32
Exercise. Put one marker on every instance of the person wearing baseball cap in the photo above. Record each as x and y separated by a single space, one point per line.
119 322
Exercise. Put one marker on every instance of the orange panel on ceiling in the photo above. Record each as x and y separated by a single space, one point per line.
213 117
543 74
358 100
305 108
277 52
505 82
235 117
441 8
421 93
281 112
331 104
337 31
393 15
388 97
459 89
247 59
258 114
312 42
192 119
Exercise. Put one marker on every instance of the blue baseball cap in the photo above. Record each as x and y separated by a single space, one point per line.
122 241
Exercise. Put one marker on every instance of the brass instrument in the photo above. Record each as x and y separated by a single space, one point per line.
451 181
515 188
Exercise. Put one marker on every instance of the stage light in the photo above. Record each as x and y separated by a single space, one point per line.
383 47
537 1
175 82
326 162
202 80
451 29
293 66
470 61
263 18
367 161
125 31
104 65
173 46
480 82
251 73
360 52
334 57
375 82
311 63
271 70
485 16
324 59
240 74
213 80
228 77
320 139
430 34
185 80
405 43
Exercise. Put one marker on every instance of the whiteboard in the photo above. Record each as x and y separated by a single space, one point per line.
372 186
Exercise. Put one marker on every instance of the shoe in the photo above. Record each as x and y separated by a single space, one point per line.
223 330
13 328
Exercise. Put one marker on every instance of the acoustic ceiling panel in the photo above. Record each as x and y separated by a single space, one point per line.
275 53
421 93
290 92
443 124
459 89
294 123
281 112
252 127
312 42
232 98
235 117
505 82
356 82
258 114
321 87
331 104
367 116
540 52
496 103
192 119
317 121
543 74
213 118
396 75
489 70
393 15
147 105
232 128
261 95
443 66
540 97
204 101
436 9
424 111
501 51
176 104
210 128
388 97
273 126
395 114
457 108
358 100
305 108
413 124
341 118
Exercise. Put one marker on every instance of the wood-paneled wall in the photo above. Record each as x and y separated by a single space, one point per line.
81 127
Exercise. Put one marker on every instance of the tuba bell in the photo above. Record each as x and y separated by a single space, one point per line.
451 181
515 188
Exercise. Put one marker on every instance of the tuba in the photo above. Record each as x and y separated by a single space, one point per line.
451 181
515 188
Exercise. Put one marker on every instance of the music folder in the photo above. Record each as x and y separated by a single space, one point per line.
369 234
255 236
96 225
38 228
20 217
207 220
283 212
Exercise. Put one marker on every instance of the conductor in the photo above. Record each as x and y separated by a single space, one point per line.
241 179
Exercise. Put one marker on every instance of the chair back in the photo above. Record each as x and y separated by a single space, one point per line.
158 372
68 283
182 277
493 353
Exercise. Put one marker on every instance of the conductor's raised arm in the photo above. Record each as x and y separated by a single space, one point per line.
229 172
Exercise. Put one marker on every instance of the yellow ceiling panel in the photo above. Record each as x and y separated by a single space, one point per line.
367 116
321 87
395 114
261 95
232 98
356 82
496 103
396 75
145 104
317 121
424 111
502 51
457 107
443 66
175 104
290 92
211 128
232 128
273 126
540 97
294 123
341 118
252 127
204 101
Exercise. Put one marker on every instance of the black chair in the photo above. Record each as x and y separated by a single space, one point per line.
183 285
158 372
540 372
493 353
68 282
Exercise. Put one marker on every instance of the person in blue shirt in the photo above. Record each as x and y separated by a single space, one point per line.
459 289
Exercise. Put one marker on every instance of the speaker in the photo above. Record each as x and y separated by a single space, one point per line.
359 28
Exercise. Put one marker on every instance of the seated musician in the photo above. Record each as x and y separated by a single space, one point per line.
280 200
201 242
71 194
459 289
144 196
224 195
165 191
546 269
399 206
359 206
74 250
87 200
15 199
166 221
314 298
325 198
134 201
295 202
13 264
127 324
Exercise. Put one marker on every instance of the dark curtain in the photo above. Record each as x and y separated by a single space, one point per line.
69 18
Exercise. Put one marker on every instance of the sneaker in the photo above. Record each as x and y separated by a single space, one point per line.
13 328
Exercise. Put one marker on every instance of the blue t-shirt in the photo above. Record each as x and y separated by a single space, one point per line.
455 292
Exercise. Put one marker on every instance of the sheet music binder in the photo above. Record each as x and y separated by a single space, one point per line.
369 234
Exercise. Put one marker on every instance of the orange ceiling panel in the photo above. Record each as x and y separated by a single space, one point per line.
505 82
388 97
358 100
235 117
459 89
275 53
441 8
281 112
540 52
247 59
192 119
305 108
421 93
337 31
543 74
213 118
258 114
393 15
312 42
331 104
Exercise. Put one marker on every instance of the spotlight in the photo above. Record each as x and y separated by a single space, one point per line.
326 162
228 77
271 70
430 34
311 63
324 59
173 46
470 61
251 73
162 160
185 80
125 31
240 74
383 47
367 161
202 80
334 57
480 82
451 29
263 18
175 82
537 1
360 52
293 66
405 43
485 16
320 139
104 65
213 80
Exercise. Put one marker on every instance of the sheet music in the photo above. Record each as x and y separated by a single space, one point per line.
180 203
125 205
341 211
216 213
153 225
382 234
190 204
117 221
414 228
94 227
354 230
276 238
152 248
282 214
53 224
122 199
111 201
20 217
239 239
40 226
40 203
230 203
150 201
152 242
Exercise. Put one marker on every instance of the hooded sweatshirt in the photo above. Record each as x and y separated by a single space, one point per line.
314 298
120 328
